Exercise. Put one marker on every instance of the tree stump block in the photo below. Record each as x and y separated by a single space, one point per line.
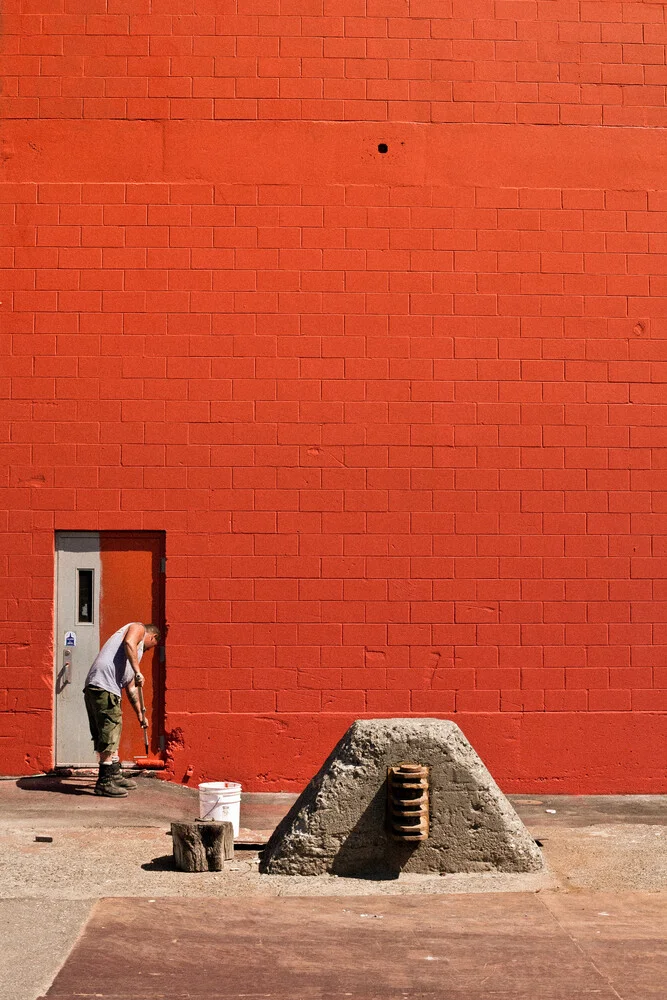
202 846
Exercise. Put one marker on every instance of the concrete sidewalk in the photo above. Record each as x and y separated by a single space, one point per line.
607 867
110 847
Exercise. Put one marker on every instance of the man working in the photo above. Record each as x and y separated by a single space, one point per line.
115 667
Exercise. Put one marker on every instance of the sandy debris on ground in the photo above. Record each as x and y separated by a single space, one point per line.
122 861
83 864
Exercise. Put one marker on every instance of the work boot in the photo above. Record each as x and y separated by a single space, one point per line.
118 779
107 786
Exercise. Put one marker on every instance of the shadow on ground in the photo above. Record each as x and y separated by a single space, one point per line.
165 863
48 783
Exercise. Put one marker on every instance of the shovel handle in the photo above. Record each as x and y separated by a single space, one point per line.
143 715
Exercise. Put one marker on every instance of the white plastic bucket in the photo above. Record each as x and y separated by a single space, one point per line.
221 801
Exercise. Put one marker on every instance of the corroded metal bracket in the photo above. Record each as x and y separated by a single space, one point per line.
408 801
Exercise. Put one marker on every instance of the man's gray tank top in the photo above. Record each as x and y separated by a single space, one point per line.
111 669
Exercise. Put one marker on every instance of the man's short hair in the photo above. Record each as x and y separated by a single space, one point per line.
154 629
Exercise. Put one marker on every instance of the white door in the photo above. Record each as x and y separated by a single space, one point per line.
78 576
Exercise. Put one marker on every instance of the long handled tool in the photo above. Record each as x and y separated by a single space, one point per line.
154 763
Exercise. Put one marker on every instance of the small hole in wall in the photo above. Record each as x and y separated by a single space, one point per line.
383 147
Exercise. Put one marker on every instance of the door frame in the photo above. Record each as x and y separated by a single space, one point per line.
159 657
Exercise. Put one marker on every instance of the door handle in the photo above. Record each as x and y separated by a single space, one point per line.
67 668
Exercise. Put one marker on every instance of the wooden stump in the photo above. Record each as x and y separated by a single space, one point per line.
202 846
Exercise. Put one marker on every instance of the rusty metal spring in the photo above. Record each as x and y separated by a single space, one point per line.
408 801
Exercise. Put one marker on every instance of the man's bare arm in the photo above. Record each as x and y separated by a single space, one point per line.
133 637
132 694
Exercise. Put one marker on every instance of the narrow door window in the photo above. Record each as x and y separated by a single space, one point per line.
86 594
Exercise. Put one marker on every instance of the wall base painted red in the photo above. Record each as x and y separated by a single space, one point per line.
401 415
536 753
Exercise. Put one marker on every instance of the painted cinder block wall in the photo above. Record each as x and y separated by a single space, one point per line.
401 415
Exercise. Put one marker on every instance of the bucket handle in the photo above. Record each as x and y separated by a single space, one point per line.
214 806
207 814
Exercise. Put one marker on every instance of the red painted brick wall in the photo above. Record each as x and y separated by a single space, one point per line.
401 415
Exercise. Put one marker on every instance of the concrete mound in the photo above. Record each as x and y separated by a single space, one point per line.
338 823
